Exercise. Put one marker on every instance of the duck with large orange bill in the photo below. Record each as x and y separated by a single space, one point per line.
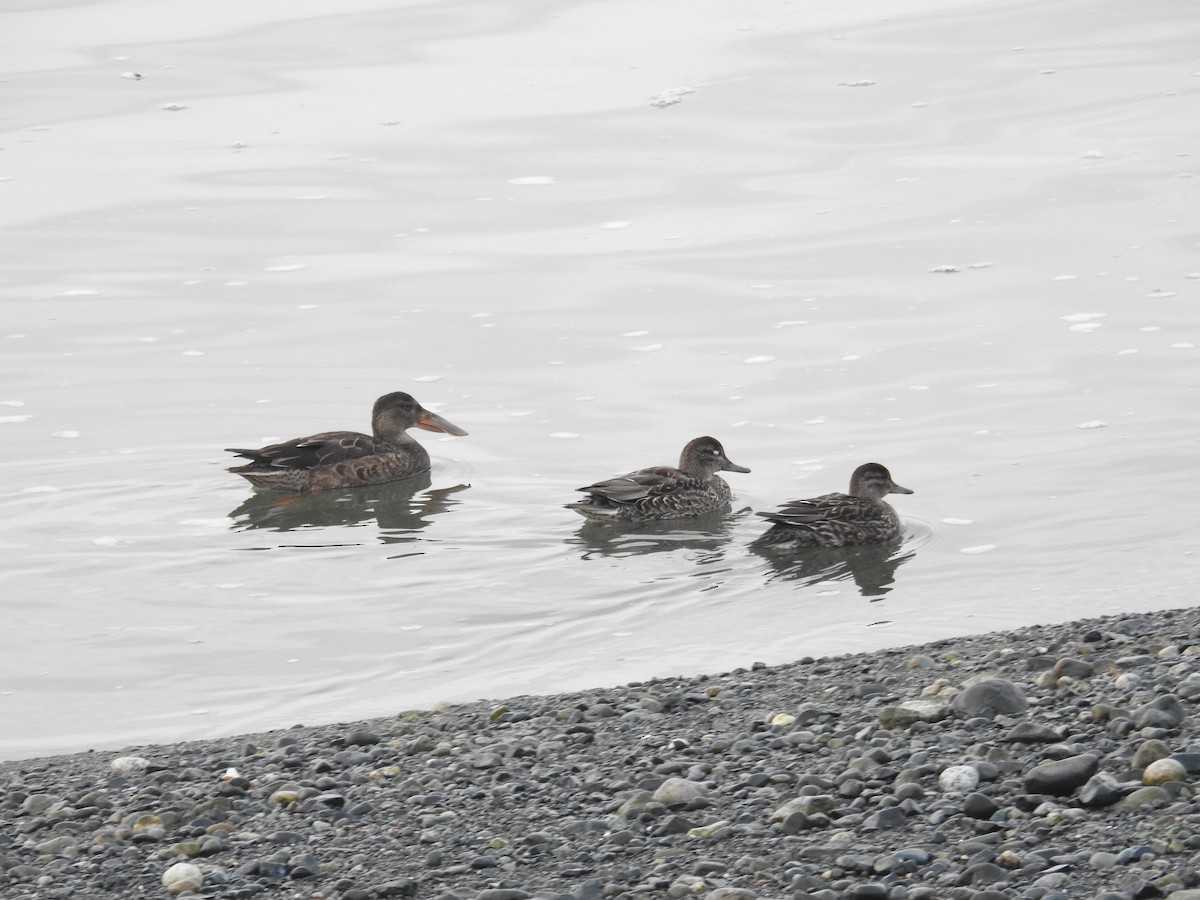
341 459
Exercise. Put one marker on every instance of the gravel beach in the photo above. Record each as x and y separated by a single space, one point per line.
1048 762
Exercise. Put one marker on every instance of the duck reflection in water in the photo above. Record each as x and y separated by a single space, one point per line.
872 567
709 535
399 507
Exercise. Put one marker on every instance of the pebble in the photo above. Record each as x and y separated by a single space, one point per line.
1063 776
958 779
679 792
183 877
988 698
955 771
1163 770
129 765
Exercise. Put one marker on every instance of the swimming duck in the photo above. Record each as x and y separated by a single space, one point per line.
835 520
664 492
339 459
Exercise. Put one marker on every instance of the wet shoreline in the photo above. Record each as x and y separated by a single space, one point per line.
1030 763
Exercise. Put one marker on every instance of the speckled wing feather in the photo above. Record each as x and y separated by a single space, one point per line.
816 509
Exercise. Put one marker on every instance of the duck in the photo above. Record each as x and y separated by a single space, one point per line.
861 516
663 492
342 459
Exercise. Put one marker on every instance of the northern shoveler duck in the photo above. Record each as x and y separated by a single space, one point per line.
340 459
835 520
664 492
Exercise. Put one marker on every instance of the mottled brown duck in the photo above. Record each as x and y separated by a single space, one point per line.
341 459
663 492
836 520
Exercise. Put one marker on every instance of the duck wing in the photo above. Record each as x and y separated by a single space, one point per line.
827 507
645 483
314 451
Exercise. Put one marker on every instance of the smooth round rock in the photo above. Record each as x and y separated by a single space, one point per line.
958 779
183 877
1163 770
1062 776
1073 668
1152 795
1148 752
679 792
979 806
989 698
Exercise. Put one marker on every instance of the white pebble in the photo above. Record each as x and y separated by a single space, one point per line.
183 877
129 765
959 779
1127 681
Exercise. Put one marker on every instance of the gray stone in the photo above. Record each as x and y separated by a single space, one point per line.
979 806
1073 668
808 804
1062 776
1032 733
910 712
673 825
1102 789
871 890
1149 751
1147 796
503 894
730 893
989 698
983 873
679 792
1190 762
889 817
1161 712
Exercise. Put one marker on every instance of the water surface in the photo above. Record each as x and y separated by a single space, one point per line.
958 241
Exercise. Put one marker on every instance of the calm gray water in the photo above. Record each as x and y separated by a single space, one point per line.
961 242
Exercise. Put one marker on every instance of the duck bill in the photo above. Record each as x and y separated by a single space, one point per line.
731 466
896 489
431 421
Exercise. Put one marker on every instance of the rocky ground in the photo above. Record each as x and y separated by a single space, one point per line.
1051 762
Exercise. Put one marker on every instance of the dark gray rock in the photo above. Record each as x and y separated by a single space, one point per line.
1102 789
983 873
888 818
1032 733
979 806
1062 776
